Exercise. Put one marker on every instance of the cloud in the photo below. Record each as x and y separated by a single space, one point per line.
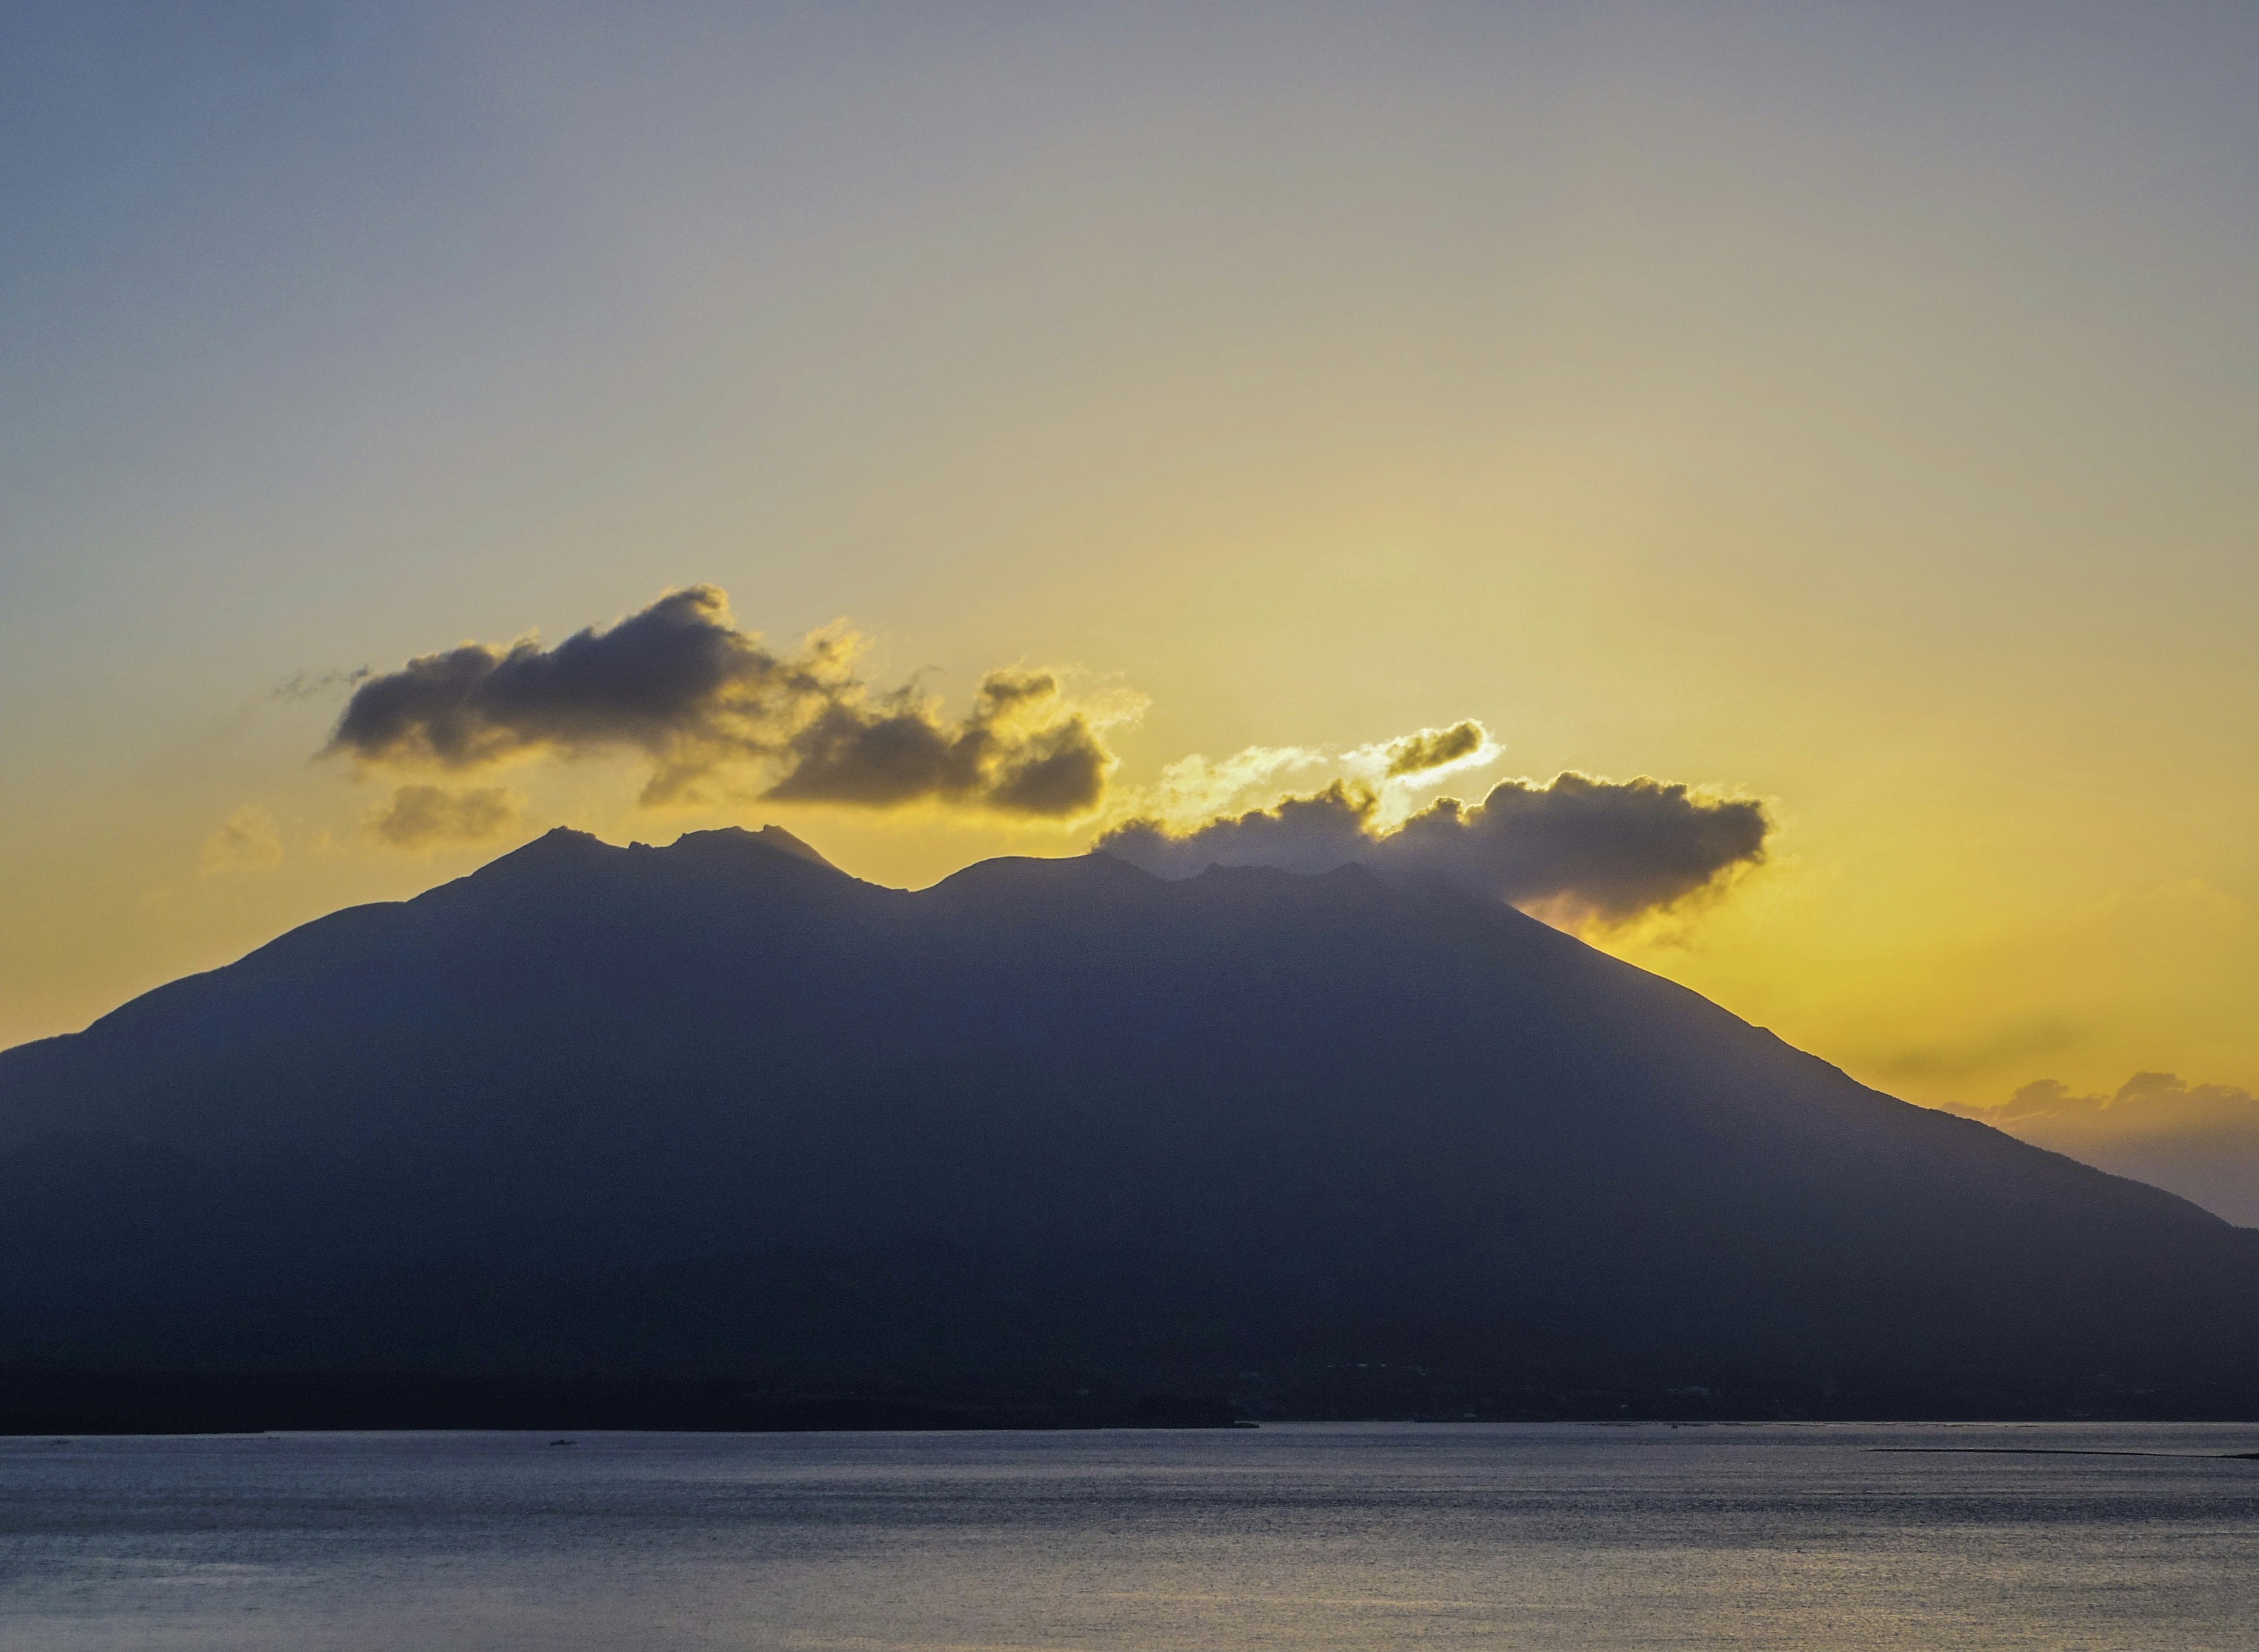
1614 848
247 840
679 683
2199 1141
1588 850
1195 790
1313 834
2148 1103
1988 1052
1431 750
304 685
1024 750
431 817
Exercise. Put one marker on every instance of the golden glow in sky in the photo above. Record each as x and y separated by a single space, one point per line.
1849 410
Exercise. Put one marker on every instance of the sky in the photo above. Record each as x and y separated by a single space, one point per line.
1844 414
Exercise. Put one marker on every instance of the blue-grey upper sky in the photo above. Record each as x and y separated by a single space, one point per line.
1850 407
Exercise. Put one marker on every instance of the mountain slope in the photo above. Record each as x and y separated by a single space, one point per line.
719 1108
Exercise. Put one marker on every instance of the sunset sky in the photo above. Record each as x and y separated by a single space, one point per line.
1853 410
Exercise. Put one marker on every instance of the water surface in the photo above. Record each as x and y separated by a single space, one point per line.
1301 1538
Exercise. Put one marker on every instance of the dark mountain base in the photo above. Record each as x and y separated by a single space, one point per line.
258 1402
1678 1395
717 1136
54 1402
947 1337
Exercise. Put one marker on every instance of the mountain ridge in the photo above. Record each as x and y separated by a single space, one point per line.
1244 1121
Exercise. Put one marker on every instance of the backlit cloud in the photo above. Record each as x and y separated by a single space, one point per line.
1195 790
708 703
1586 849
716 712
1432 751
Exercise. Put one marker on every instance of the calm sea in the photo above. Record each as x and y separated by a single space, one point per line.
1300 1538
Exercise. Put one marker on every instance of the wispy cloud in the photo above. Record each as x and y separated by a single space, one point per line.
422 817
247 841
306 685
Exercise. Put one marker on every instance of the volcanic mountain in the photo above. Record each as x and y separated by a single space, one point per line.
1320 1144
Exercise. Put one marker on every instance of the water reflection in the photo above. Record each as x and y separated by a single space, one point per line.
1310 1537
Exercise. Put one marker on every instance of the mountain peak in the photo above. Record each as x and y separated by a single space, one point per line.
774 839
565 836
559 846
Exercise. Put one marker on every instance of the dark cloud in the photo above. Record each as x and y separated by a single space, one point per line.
1604 849
1022 751
678 682
431 817
1298 834
1615 848
682 685
1435 748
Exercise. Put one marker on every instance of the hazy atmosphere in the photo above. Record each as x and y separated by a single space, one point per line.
1169 827
1821 435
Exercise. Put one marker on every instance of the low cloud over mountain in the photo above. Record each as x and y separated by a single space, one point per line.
2201 1141
681 684
1604 849
717 712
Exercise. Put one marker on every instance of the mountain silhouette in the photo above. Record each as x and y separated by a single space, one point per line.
1323 1145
